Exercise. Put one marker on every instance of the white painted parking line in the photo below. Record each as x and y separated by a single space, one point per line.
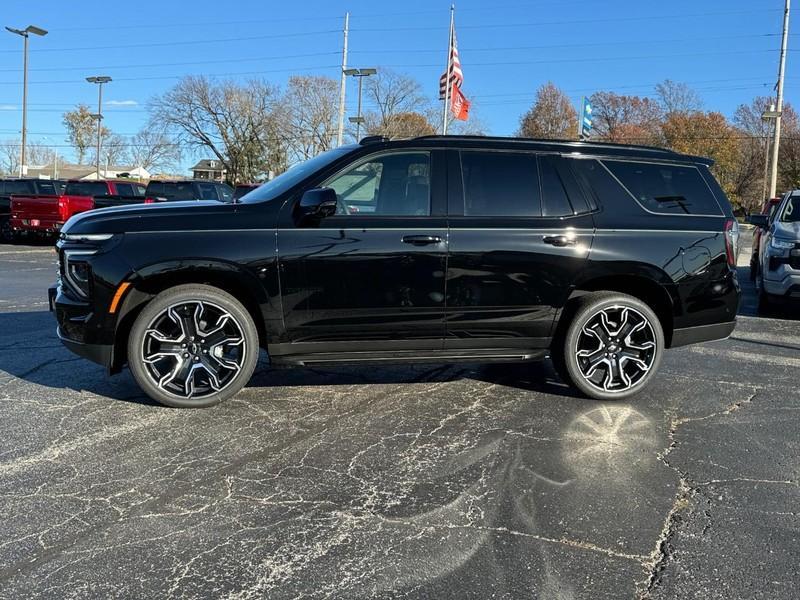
38 251
749 357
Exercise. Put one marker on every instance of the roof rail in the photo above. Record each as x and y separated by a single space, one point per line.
575 143
373 139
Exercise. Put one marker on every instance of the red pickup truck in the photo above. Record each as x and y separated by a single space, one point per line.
46 214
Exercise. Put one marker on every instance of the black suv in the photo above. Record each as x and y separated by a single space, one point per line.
431 249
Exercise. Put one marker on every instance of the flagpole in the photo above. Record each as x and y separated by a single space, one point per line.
448 70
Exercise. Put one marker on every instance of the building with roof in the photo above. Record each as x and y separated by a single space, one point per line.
209 168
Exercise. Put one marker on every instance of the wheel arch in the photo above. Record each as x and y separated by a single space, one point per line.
646 289
148 283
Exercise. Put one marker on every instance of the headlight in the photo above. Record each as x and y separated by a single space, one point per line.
778 244
77 271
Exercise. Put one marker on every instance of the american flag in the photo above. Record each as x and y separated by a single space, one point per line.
454 69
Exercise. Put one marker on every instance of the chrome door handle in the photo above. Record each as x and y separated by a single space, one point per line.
421 240
559 240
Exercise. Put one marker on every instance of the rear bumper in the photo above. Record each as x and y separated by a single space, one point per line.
702 333
36 225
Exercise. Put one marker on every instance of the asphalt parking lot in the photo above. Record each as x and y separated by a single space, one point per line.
433 481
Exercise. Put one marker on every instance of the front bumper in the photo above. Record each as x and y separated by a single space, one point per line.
75 329
783 281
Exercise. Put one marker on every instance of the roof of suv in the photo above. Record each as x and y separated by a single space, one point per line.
599 148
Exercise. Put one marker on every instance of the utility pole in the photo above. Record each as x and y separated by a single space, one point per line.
25 33
343 84
773 182
99 80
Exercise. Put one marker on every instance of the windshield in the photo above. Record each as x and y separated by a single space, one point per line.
791 212
294 175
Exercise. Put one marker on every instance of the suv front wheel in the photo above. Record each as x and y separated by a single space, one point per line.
193 346
612 347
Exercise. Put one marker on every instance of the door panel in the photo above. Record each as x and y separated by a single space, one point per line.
508 282
509 275
374 273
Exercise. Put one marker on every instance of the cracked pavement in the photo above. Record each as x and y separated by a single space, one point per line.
398 482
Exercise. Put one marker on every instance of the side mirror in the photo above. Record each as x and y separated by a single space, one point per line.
758 220
317 203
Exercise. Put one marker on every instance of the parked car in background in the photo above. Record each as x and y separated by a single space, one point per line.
47 213
187 189
770 205
22 187
778 269
242 189
463 249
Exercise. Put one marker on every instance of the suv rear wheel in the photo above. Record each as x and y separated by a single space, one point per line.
193 346
612 347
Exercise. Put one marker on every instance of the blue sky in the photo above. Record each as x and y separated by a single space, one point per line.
726 49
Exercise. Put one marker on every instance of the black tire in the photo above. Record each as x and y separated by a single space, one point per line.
632 360
175 320
764 303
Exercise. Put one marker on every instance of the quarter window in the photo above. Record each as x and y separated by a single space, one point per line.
665 188
500 184
555 200
389 185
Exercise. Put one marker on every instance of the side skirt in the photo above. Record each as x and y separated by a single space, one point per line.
412 356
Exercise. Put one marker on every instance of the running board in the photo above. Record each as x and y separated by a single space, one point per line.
424 356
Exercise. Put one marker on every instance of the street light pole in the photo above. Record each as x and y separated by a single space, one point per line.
360 74
773 181
99 80
25 33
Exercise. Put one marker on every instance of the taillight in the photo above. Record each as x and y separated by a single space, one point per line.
149 200
731 241
63 208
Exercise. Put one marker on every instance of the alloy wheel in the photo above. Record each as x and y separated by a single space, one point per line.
615 349
193 349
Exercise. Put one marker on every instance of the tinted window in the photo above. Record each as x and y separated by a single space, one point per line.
555 202
790 213
138 189
666 188
18 187
124 189
207 191
500 184
225 192
391 185
180 190
86 188
155 189
47 187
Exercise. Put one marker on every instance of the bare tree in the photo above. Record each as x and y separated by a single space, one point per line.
9 157
402 125
82 130
311 115
153 149
114 151
392 93
552 115
240 124
626 119
677 98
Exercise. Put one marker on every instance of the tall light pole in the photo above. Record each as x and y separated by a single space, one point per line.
773 180
342 85
99 80
30 29
360 74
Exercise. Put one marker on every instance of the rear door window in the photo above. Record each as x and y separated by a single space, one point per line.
179 191
500 184
664 188
124 189
225 192
207 191
18 187
86 188
138 189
